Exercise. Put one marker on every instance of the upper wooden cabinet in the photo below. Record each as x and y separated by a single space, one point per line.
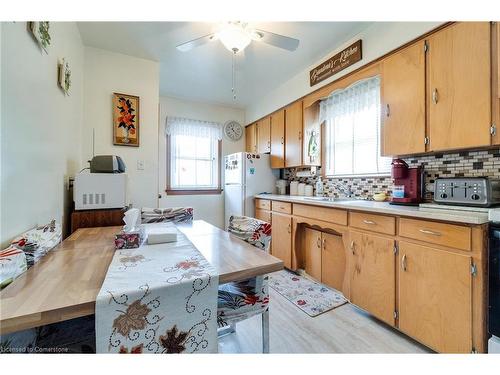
435 297
403 98
264 135
293 134
459 86
311 146
251 138
278 139
495 78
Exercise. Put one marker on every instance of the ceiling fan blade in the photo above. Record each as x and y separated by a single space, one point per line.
276 40
196 42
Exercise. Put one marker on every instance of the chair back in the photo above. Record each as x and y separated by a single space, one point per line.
254 231
162 215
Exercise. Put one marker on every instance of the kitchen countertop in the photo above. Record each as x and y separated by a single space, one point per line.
467 217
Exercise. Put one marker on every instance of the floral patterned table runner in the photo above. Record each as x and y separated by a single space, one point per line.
158 299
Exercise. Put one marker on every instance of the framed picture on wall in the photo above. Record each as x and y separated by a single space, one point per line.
125 120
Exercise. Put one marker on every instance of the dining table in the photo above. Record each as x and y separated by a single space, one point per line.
65 283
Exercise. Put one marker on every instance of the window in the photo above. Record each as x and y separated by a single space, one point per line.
352 130
193 156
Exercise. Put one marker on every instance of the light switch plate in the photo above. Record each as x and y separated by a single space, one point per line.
140 165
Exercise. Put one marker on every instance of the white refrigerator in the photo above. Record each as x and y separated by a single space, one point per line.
246 175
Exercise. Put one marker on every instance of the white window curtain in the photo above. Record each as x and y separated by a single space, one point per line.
194 153
352 130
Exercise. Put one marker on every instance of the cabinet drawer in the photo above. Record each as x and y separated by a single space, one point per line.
263 204
263 215
331 215
283 207
450 235
375 223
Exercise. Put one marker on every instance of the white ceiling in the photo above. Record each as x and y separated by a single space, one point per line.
204 73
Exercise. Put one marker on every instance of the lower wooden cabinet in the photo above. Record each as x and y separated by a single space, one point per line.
324 257
372 274
281 244
435 297
312 244
333 261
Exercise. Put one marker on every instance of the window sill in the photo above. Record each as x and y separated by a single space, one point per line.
366 175
193 191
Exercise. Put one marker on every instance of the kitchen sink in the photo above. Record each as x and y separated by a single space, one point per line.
330 199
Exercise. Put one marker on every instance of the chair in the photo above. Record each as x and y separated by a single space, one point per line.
162 215
238 301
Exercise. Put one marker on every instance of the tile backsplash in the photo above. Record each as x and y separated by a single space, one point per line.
457 164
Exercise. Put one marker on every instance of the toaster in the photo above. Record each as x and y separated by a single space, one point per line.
467 191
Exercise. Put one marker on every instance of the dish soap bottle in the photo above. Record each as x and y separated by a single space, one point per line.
319 187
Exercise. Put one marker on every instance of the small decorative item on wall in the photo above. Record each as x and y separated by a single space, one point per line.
40 31
64 76
336 63
125 120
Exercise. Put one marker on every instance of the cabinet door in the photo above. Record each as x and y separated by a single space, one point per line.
293 135
459 86
281 243
311 146
372 274
263 215
312 253
278 140
250 138
403 95
264 135
435 300
333 261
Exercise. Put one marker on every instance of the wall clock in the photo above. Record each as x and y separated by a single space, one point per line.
233 130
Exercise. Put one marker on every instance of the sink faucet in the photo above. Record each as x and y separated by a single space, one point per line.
344 189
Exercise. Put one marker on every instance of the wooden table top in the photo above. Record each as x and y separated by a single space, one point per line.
65 283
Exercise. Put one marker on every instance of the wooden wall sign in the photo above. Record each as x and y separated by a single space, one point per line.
336 63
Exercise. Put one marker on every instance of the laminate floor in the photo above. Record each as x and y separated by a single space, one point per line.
345 329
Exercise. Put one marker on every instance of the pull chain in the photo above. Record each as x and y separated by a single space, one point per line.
233 90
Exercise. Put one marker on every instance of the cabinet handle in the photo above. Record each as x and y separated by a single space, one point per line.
370 222
435 96
403 262
269 145
388 111
324 243
300 135
289 228
352 247
318 242
425 231
282 140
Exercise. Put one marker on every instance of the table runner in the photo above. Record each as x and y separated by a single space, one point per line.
158 299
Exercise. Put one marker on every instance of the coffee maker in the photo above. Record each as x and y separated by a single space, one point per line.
408 183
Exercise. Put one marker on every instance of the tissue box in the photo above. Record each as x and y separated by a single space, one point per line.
129 240
162 235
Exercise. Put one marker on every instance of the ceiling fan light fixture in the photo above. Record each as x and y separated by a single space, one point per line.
234 37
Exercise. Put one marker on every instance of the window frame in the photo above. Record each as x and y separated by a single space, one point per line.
324 154
183 191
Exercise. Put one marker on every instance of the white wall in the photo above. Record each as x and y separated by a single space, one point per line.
107 72
206 207
40 127
378 39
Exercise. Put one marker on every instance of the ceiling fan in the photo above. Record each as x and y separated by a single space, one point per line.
236 36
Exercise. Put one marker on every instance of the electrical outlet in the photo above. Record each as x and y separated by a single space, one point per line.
140 165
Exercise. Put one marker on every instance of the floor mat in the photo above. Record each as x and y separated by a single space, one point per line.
311 297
